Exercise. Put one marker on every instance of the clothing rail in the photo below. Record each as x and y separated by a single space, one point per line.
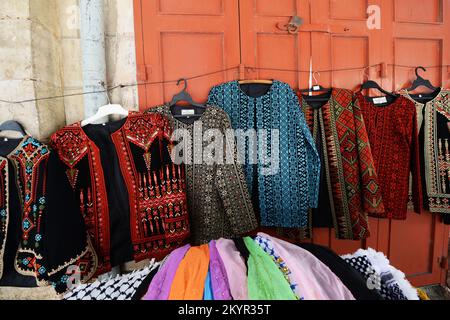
208 74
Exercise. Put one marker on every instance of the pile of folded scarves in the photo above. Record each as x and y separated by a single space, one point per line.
260 268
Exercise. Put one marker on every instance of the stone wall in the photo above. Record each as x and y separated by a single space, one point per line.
40 56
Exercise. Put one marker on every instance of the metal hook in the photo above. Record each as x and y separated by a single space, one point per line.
417 71
364 73
314 76
185 83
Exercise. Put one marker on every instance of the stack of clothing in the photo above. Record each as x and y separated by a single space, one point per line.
260 268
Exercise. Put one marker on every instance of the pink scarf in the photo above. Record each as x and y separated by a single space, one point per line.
315 280
235 268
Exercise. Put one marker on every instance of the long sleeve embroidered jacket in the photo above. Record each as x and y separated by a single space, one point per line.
218 200
393 138
40 239
284 192
433 120
349 178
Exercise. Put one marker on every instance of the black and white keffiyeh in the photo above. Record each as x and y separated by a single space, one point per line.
121 287
381 276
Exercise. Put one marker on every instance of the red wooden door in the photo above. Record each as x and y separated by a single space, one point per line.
186 38
176 39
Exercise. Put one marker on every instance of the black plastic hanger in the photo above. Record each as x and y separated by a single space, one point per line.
184 96
370 84
12 125
421 81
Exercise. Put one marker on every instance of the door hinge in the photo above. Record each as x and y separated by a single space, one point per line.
443 262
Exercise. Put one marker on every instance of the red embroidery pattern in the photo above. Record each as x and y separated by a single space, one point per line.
158 211
393 137
143 130
158 205
349 164
75 149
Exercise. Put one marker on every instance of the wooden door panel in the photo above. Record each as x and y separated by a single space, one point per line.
322 236
404 253
417 250
429 50
287 57
344 246
420 42
418 11
344 58
182 39
283 8
191 7
266 48
341 10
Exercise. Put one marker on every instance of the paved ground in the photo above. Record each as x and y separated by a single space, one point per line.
437 292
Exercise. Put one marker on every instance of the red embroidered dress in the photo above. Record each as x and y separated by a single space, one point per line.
393 136
130 194
349 187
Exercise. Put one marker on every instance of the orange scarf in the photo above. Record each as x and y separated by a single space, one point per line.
189 281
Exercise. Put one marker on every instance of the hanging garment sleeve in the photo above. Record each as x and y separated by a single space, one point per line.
372 199
415 166
230 180
312 155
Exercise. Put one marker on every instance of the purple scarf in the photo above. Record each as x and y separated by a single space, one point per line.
159 289
219 279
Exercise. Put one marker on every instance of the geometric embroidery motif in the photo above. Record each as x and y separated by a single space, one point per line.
72 175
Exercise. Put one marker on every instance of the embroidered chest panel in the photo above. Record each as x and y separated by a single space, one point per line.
143 130
28 160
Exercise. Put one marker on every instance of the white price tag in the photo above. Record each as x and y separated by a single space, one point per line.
380 100
187 112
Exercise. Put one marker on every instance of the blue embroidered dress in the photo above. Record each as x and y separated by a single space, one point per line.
284 195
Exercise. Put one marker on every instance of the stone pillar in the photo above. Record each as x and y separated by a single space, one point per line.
30 65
